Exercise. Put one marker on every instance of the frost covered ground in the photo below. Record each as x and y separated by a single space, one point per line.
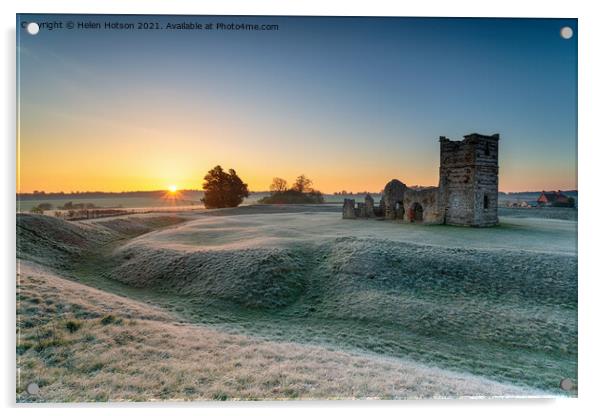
497 303
81 344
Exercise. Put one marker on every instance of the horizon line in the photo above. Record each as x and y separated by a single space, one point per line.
42 192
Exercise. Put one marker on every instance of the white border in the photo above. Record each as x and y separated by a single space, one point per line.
590 200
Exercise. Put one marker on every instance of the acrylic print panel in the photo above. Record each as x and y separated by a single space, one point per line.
267 208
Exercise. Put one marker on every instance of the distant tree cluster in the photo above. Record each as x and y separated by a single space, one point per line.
300 192
570 203
40 208
223 189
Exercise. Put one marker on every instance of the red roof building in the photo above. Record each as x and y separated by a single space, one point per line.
552 198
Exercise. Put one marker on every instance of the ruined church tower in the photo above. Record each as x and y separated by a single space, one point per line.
468 180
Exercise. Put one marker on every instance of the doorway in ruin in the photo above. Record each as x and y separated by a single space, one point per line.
399 211
416 212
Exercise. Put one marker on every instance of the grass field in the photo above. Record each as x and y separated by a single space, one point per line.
81 344
497 306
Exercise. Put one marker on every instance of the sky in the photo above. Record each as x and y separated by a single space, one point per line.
350 102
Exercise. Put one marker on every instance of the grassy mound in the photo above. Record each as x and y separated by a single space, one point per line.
58 243
139 224
82 344
253 277
515 299
55 242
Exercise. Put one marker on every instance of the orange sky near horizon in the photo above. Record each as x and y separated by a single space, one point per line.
67 167
100 159
151 149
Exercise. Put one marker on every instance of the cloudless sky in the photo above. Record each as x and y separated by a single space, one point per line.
350 102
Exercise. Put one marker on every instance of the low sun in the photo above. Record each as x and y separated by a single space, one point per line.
172 194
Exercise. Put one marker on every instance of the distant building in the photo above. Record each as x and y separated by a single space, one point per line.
553 198
467 193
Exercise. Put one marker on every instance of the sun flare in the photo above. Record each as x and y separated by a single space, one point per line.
172 188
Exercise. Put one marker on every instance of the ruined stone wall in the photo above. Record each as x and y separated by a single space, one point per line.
365 209
369 201
349 209
393 195
428 200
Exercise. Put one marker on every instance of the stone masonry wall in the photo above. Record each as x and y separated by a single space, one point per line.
456 182
428 199
469 180
486 181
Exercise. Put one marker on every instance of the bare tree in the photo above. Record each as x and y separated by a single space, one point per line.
278 185
302 184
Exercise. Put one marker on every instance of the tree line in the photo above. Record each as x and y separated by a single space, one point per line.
300 192
226 189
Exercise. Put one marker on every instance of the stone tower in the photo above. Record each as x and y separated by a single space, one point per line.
468 180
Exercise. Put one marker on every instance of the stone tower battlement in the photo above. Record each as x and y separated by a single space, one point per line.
468 180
